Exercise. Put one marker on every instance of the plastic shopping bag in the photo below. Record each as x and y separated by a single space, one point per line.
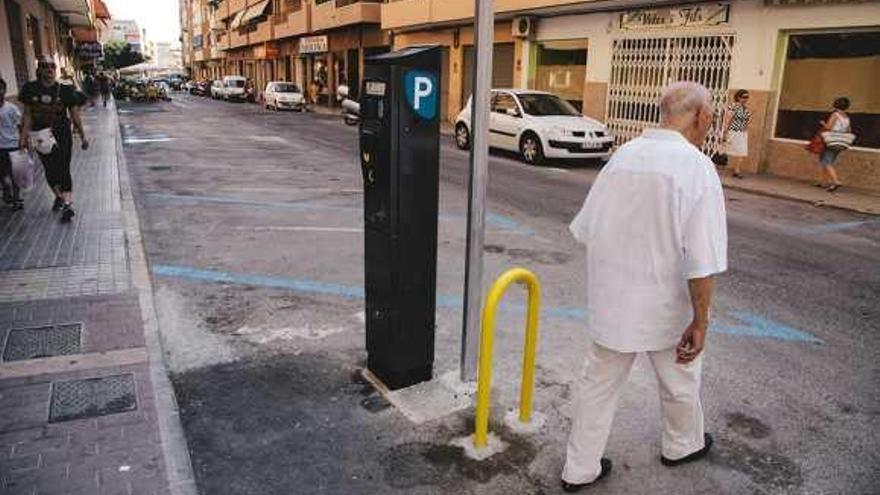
22 169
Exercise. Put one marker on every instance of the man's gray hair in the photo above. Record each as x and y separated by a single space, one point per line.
682 98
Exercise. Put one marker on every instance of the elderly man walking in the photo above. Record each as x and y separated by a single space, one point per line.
655 232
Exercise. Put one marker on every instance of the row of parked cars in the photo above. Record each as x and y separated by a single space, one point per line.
535 124
278 95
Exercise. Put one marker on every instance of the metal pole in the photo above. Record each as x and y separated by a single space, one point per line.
484 25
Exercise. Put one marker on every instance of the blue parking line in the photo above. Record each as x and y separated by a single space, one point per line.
750 325
493 219
835 227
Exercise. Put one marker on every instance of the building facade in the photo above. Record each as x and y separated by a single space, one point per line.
319 44
609 58
612 58
60 29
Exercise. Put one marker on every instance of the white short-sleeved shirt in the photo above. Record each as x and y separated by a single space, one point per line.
654 218
10 118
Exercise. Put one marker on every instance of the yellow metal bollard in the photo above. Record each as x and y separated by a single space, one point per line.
484 380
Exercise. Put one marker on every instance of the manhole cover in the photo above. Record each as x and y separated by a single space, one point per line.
41 342
92 397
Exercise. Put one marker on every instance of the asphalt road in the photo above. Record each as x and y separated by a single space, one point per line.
253 232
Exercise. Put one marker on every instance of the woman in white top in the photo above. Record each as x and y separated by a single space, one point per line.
838 121
737 118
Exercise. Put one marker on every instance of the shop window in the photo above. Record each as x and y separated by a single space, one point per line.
562 69
822 67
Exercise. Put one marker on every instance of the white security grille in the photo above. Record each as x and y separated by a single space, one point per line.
642 67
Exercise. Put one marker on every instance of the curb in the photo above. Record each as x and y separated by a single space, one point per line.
174 449
818 204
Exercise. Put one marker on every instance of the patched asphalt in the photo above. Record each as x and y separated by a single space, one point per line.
256 215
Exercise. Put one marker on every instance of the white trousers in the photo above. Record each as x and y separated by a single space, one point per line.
605 375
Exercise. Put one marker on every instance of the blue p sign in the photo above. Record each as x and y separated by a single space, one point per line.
421 93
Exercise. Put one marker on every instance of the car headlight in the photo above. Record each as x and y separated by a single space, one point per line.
559 131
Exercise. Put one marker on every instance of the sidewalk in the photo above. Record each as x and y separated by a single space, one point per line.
846 198
84 405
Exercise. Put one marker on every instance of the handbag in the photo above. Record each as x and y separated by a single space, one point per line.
816 145
838 141
23 164
720 159
43 141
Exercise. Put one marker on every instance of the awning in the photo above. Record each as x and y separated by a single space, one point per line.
84 35
76 12
255 11
236 21
101 10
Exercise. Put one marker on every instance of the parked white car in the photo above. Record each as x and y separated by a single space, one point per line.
280 95
537 125
233 88
217 89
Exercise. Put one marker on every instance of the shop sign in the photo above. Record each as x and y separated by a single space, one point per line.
421 93
264 52
674 17
89 50
313 44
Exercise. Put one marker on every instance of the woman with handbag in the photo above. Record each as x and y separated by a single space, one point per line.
737 118
49 110
836 135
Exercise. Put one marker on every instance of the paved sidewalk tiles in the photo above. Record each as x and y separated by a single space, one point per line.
77 408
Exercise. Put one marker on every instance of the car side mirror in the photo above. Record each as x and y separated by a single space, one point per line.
512 112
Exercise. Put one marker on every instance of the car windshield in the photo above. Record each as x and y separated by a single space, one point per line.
543 105
235 83
286 88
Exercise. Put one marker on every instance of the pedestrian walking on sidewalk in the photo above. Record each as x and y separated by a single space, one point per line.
837 122
104 86
49 110
10 125
737 118
655 231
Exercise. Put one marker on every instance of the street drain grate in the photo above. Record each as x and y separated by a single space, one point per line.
92 397
41 342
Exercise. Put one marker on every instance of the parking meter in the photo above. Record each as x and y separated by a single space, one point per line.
400 147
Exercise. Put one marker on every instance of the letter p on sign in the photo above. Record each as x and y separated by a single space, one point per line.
421 93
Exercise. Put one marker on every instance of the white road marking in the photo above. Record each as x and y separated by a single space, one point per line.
269 139
302 228
136 140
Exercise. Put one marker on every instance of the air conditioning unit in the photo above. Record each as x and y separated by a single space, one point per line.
523 27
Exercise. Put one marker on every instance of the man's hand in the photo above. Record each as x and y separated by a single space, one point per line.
691 344
84 143
24 141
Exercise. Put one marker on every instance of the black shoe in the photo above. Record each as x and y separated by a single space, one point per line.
58 204
67 214
573 487
17 205
692 457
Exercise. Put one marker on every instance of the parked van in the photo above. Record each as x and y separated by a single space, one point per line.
233 88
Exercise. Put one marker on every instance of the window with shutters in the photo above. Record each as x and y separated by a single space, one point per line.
642 67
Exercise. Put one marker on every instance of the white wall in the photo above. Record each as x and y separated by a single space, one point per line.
757 28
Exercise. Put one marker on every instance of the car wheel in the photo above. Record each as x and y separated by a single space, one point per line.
462 137
530 149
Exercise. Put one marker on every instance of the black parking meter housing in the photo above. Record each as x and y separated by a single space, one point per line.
400 149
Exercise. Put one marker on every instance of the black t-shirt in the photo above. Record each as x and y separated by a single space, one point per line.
49 104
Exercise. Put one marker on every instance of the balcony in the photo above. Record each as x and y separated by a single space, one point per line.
401 14
262 34
294 23
337 13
